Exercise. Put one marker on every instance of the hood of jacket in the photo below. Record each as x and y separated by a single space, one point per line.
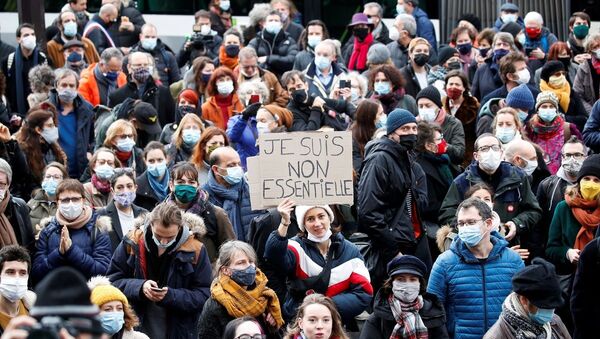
193 227
387 145
490 107
102 223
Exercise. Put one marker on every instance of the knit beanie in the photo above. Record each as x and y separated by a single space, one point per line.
590 166
550 68
512 28
520 97
301 212
538 282
431 93
446 53
189 95
398 118
103 292
63 292
378 54
546 97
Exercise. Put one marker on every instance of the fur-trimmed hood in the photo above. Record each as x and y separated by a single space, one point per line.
102 224
195 224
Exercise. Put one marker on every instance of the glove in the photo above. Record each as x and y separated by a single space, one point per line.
251 110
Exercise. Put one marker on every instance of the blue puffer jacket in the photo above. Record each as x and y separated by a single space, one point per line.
243 134
89 253
235 200
471 290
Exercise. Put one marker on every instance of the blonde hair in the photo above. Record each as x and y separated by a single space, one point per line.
511 111
229 249
117 128
177 135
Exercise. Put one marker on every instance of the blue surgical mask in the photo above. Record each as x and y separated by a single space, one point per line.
234 175
542 316
112 76
157 170
322 62
49 186
149 44
190 136
245 277
161 245
470 235
314 40
112 322
104 172
381 122
522 115
547 114
383 87
125 145
505 134
273 27
70 29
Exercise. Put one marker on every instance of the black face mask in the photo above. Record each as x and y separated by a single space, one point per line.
183 110
299 96
566 62
408 141
421 59
361 33
453 65
232 50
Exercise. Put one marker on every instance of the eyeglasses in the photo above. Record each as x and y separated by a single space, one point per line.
471 222
576 156
68 200
248 336
125 136
484 149
55 177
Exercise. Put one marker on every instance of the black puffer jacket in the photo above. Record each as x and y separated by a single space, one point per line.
280 51
308 118
387 175
127 38
381 322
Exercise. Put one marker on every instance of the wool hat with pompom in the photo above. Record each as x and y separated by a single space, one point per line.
103 292
301 211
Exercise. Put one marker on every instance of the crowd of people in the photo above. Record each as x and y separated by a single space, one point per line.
125 203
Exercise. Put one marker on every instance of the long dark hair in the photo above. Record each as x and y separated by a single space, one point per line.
303 39
31 142
363 127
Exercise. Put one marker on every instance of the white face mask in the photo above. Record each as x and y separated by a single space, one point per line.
71 210
29 42
13 288
406 292
321 239
524 76
205 29
597 53
530 166
509 17
489 161
428 114
262 127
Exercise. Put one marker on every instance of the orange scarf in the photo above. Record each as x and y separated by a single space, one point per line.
563 94
587 213
227 61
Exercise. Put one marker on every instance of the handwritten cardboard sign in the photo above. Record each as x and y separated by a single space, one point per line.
311 168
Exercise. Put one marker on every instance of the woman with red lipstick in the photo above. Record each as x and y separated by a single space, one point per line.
319 261
317 318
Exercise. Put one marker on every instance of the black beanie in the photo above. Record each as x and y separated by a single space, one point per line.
538 282
550 68
590 166
431 93
63 292
446 53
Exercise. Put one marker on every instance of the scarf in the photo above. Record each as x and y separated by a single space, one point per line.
240 302
550 138
226 60
232 202
160 188
102 186
442 162
7 233
123 156
79 222
596 64
358 59
409 324
441 117
390 100
516 321
563 94
224 103
587 213
436 73
18 74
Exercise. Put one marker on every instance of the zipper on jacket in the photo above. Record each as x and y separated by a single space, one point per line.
485 315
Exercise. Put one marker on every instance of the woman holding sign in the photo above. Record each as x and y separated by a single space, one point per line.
319 261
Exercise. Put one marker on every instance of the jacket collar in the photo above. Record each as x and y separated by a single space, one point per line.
462 251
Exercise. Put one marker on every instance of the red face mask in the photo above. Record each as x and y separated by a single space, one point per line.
454 93
533 32
442 147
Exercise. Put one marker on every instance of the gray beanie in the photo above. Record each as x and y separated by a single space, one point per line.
378 54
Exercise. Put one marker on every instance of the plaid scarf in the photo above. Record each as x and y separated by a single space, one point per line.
517 321
240 302
409 324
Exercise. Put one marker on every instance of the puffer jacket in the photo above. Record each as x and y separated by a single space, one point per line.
473 290
188 277
244 135
381 322
280 51
349 284
514 199
235 200
591 131
387 175
89 253
89 86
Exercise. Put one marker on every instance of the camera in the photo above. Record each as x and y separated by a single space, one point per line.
49 326
197 39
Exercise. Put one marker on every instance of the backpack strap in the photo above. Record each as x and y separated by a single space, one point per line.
9 62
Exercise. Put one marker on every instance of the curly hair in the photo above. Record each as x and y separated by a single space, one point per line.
33 144
211 87
41 78
391 73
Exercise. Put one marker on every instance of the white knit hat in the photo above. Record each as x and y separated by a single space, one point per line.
301 211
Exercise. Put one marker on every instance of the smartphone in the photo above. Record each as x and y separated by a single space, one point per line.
254 98
528 50
342 83
156 289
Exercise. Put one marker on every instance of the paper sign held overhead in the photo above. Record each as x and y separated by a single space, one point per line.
311 168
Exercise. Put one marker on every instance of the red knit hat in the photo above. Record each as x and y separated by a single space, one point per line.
189 95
